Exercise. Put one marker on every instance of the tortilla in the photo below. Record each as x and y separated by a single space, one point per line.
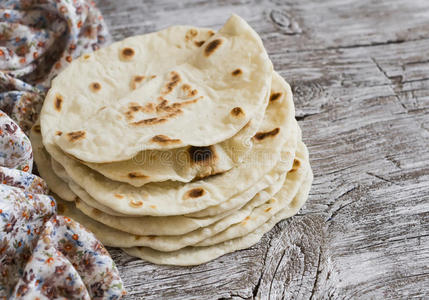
131 96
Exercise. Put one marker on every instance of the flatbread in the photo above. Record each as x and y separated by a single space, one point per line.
171 225
263 213
42 159
190 256
146 225
190 95
245 220
276 133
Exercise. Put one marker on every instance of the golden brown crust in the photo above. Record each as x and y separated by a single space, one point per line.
75 136
127 53
95 86
237 112
170 85
275 96
135 203
202 155
212 46
199 43
262 135
237 72
58 102
194 193
164 140
137 175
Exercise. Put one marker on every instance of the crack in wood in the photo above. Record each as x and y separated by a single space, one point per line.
354 46
393 161
255 289
391 241
390 85
275 271
313 290
383 179
336 211
302 117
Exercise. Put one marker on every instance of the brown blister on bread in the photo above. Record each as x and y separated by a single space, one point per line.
59 133
194 193
186 87
188 91
275 96
237 112
202 155
244 222
127 53
95 86
58 102
150 121
136 203
172 83
164 140
134 107
171 108
163 109
262 135
212 46
136 80
268 209
96 211
138 175
199 43
296 165
75 136
237 72
191 34
119 196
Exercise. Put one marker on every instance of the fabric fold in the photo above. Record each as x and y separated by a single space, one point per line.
43 254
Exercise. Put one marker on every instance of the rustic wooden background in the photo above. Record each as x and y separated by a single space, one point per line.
360 74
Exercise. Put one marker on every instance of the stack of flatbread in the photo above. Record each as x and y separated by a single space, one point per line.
178 146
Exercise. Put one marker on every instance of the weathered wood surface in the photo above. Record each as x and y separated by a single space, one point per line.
360 73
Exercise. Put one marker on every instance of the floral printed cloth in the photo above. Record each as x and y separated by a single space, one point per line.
43 255
37 39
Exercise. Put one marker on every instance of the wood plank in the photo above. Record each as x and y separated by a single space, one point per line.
359 72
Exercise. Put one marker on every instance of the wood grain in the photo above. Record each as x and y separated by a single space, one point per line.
360 76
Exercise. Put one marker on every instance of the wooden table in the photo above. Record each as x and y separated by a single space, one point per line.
360 76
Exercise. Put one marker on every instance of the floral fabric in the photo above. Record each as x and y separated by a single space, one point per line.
43 255
17 152
38 38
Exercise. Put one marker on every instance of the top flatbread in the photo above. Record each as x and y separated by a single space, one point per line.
130 96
